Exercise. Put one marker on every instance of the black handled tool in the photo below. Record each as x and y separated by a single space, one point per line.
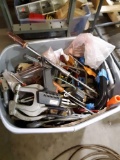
48 98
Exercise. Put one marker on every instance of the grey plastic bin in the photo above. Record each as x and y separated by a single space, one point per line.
13 54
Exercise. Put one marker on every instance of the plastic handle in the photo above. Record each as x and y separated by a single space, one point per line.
17 39
113 100
71 60
90 71
59 88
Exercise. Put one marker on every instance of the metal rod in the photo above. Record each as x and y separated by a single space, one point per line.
6 14
81 104
96 15
107 24
61 89
31 58
92 90
32 50
79 62
12 74
98 32
74 98
72 4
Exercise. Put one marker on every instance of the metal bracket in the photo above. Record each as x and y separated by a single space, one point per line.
40 27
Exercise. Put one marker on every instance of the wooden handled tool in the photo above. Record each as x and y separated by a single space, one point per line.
17 39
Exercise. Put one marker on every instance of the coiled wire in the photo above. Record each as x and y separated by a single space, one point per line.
98 152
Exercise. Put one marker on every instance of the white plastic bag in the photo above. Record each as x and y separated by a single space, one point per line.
51 56
54 56
60 52
95 49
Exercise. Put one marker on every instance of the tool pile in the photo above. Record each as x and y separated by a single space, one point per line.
52 90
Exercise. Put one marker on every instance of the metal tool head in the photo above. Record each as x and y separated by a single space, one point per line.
31 110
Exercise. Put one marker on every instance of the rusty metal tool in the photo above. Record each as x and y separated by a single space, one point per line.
80 103
65 72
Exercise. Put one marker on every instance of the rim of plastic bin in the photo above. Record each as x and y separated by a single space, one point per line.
77 127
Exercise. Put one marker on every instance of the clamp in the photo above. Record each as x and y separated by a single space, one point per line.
16 109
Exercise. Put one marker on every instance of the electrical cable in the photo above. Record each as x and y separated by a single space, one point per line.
99 152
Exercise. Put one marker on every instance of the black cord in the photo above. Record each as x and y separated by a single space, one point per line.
99 151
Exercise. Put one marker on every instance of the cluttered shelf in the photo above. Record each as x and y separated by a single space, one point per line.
34 17
47 16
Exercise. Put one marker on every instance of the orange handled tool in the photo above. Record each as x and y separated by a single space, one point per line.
87 69
113 100
59 88
17 39
70 61
80 103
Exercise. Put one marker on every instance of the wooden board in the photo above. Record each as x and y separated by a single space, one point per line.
95 3
105 2
113 15
109 9
62 12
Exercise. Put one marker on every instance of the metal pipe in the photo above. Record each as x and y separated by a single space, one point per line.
96 15
106 24
32 50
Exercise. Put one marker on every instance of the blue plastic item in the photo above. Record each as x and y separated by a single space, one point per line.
82 60
90 106
101 73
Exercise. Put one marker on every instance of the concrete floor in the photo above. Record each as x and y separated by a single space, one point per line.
47 146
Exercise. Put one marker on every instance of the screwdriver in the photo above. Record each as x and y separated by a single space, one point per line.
65 72
61 89
87 69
